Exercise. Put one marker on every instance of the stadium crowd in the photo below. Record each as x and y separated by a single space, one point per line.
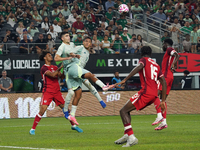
31 26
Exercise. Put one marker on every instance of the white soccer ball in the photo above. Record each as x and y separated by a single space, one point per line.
123 8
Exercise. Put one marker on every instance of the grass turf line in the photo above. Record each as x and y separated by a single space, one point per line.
183 133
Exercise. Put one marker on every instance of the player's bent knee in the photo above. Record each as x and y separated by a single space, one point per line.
71 93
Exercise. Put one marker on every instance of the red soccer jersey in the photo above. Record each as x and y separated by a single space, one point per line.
50 84
149 75
167 61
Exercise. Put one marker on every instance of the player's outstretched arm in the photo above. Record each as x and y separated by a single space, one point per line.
132 73
164 90
58 58
174 64
55 73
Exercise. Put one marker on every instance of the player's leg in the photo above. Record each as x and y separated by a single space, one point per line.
94 92
37 119
128 131
67 101
158 109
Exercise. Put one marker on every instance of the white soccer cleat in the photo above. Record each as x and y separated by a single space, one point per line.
161 126
122 140
132 140
157 121
107 87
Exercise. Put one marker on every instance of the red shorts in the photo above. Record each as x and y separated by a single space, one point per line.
169 82
47 98
140 101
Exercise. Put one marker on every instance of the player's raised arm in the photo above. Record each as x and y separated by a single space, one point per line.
55 73
174 64
132 73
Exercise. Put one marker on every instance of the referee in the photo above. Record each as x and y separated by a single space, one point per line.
186 81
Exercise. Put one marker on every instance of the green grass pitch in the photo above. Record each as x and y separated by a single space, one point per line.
183 133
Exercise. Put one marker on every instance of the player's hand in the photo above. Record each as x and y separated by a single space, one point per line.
120 83
173 68
163 107
77 56
72 55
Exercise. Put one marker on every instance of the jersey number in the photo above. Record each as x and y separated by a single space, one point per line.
154 74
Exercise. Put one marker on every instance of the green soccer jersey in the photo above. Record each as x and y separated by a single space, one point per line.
90 25
125 38
77 42
109 16
122 22
3 13
81 5
186 30
117 44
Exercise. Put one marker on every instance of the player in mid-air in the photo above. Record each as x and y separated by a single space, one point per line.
149 72
169 64
74 73
51 87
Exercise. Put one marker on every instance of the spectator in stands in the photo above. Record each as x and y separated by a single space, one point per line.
11 19
122 21
109 15
191 6
174 36
72 18
39 3
179 8
187 28
165 36
5 82
55 11
195 23
78 32
13 7
34 9
45 24
136 9
159 16
66 12
117 44
2 10
99 13
111 24
108 34
20 28
24 6
25 45
187 18
29 15
133 45
96 44
143 5
78 11
25 32
44 11
141 42
113 35
56 27
78 24
126 36
32 29
40 44
187 44
53 33
90 26
116 79
108 4
157 6
51 44
105 45
79 40
103 23
19 14
73 33
176 23
120 29
25 20
59 17
10 36
64 24
193 37
49 2
186 81
150 5
37 17
180 20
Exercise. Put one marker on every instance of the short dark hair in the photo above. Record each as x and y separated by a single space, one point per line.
146 50
87 37
63 33
41 57
133 34
168 41
186 72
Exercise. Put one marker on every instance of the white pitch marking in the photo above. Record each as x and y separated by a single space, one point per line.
17 147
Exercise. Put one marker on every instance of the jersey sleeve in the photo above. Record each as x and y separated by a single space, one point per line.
170 51
160 74
44 69
59 51
142 61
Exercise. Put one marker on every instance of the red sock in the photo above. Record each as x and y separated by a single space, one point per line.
36 121
128 129
165 113
71 123
156 104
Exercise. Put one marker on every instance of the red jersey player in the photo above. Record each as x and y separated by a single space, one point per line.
169 63
149 72
51 87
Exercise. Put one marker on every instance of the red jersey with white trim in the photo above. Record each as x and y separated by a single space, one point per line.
167 61
50 84
149 76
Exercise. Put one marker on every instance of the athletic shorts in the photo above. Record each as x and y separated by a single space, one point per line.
140 101
73 76
169 82
47 98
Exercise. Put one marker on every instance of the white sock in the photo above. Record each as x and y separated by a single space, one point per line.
164 121
100 83
159 115
68 99
73 111
132 137
92 90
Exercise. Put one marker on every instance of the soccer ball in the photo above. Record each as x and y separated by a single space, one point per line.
123 8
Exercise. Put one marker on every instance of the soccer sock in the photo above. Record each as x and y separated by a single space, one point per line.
68 99
165 114
100 83
36 121
72 124
128 129
156 104
92 90
73 111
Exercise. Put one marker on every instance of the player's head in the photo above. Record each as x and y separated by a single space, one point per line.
87 42
64 36
146 51
166 43
46 56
